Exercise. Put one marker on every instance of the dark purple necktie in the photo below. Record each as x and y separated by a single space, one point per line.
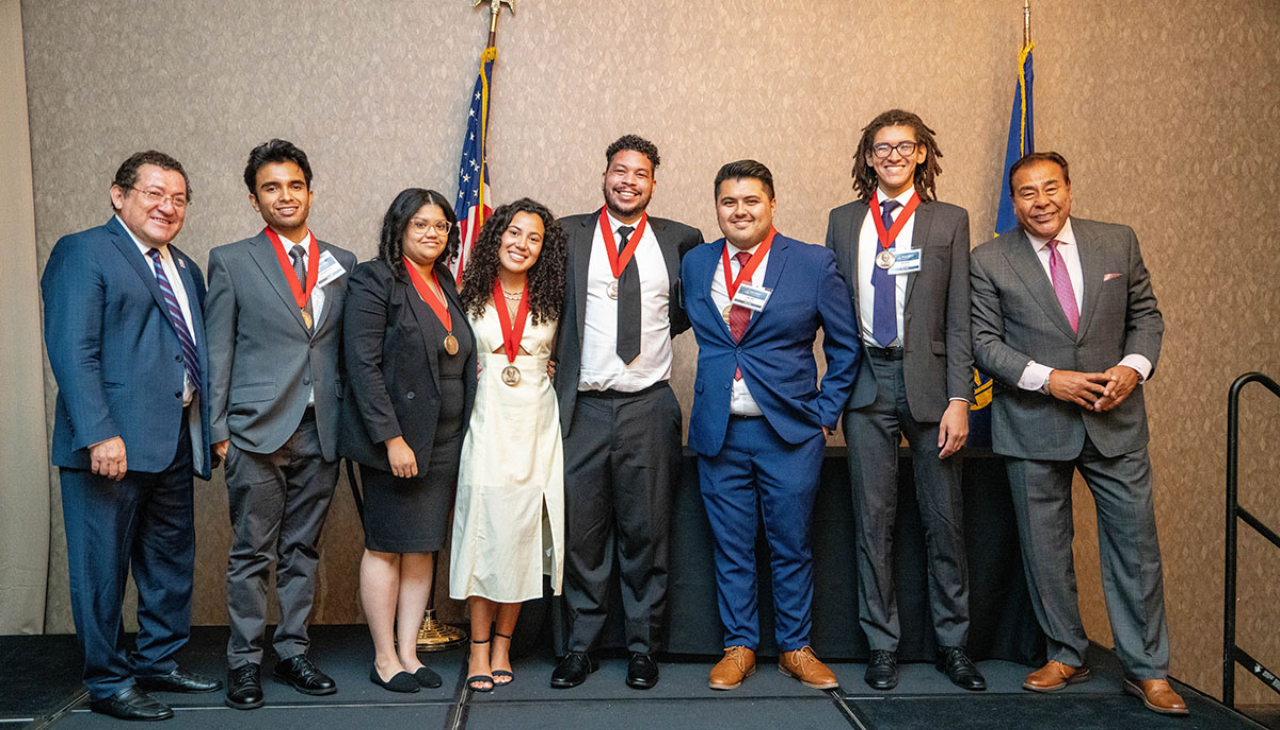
190 361
884 312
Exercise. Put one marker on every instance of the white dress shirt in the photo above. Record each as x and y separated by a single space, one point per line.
1036 376
601 368
868 247
740 402
179 291
317 294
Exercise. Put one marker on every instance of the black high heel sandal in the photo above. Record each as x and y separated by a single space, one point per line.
502 672
477 678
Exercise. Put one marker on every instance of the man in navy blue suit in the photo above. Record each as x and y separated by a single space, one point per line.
125 336
759 421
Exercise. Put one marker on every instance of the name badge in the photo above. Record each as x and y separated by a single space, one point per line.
906 261
330 269
752 297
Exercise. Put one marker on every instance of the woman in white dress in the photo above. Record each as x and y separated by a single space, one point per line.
508 521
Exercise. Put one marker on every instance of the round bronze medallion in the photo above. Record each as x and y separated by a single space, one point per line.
451 344
511 375
612 289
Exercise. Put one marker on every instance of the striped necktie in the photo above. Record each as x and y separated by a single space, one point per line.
190 361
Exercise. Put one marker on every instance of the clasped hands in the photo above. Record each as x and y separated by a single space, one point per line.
1098 392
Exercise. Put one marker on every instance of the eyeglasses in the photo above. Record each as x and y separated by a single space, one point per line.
179 201
440 227
884 149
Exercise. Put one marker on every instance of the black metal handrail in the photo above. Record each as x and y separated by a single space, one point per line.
1231 653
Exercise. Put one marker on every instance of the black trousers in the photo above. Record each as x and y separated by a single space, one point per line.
621 459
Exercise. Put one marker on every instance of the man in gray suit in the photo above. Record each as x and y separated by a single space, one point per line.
274 318
907 267
1065 320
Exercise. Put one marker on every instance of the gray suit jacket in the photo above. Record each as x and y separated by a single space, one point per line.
937 361
1017 318
262 359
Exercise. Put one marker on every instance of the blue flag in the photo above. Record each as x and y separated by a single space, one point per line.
1021 137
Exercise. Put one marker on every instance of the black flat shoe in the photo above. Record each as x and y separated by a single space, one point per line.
573 670
178 681
132 703
402 682
427 678
882 670
953 662
642 671
304 676
244 687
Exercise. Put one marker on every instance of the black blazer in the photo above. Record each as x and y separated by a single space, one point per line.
393 386
674 240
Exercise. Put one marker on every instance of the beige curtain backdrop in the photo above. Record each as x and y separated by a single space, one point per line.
24 464
1170 116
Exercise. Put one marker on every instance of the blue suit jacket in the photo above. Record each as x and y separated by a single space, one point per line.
115 353
776 351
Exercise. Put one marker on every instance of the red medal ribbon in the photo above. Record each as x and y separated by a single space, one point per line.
300 295
888 237
619 261
511 335
731 284
436 302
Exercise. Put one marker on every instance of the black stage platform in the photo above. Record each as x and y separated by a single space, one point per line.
39 689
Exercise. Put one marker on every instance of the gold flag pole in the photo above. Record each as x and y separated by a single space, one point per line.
1026 23
435 635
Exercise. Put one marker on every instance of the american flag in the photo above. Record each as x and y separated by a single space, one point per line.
473 206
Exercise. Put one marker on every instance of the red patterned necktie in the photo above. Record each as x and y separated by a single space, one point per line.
739 317
1062 285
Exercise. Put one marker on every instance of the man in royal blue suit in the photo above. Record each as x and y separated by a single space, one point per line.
125 337
759 421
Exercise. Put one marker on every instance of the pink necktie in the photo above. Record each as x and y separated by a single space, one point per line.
1062 286
739 317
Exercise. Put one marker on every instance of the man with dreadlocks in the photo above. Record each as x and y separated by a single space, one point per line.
904 256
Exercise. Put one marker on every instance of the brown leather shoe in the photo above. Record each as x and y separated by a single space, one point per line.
804 666
738 663
1055 676
1157 695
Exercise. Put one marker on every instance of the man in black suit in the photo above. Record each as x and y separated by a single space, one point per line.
620 419
905 256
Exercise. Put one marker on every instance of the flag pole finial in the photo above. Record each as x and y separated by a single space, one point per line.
495 9
1026 22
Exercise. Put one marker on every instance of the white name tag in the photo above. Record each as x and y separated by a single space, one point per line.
330 269
752 297
906 261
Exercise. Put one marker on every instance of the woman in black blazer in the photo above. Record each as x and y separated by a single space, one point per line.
411 363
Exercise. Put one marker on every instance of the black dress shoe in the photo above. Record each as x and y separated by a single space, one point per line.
573 670
178 681
953 662
882 670
399 682
427 678
304 676
132 703
642 671
244 687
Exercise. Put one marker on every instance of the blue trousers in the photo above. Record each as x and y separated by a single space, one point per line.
756 467
144 522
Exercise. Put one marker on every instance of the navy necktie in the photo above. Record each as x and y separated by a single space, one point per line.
190 361
884 317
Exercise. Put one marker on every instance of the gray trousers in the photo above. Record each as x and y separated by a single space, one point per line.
622 456
278 502
1132 578
873 434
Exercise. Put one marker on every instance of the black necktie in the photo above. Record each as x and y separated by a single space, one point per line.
628 303
300 270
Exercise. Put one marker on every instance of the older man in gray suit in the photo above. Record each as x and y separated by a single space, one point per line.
1065 320
905 256
274 318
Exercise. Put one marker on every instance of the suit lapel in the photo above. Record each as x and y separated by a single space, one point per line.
583 236
423 315
669 249
193 302
702 292
141 265
1026 264
1092 261
263 253
322 247
779 251
919 237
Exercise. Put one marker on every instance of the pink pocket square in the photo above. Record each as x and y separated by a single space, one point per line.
1109 277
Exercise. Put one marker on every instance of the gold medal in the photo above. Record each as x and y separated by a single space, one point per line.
725 312
306 318
612 290
885 258
511 375
451 344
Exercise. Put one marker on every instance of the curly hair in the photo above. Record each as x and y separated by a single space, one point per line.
546 277
634 143
396 221
864 175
